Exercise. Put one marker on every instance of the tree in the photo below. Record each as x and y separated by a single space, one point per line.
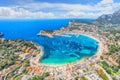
37 78
101 57
27 62
46 74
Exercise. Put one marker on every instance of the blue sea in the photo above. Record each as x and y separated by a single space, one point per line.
58 50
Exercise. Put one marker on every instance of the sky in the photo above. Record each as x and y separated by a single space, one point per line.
57 8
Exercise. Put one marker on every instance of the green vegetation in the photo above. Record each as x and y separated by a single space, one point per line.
46 74
10 76
60 79
83 78
114 48
74 28
111 30
112 70
27 63
77 77
102 75
25 72
37 78
101 57
7 59
48 31
10 49
18 78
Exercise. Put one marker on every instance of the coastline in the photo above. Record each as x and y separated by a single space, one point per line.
82 66
98 53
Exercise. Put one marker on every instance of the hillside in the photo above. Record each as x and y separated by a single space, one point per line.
109 19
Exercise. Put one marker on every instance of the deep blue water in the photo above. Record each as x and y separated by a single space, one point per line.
57 50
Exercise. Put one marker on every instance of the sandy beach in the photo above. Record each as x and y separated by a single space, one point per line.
98 53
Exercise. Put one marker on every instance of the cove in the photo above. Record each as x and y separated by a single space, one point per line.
61 49
67 48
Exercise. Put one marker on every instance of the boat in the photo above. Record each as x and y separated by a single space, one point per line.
1 34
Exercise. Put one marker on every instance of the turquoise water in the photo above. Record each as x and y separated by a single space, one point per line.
57 50
67 48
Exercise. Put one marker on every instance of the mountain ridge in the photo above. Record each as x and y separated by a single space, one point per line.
108 19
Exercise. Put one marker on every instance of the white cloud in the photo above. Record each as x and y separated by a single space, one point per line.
14 12
59 10
106 2
82 14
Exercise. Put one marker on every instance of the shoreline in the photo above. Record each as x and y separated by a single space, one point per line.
98 53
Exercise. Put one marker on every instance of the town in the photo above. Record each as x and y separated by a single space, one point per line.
20 59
